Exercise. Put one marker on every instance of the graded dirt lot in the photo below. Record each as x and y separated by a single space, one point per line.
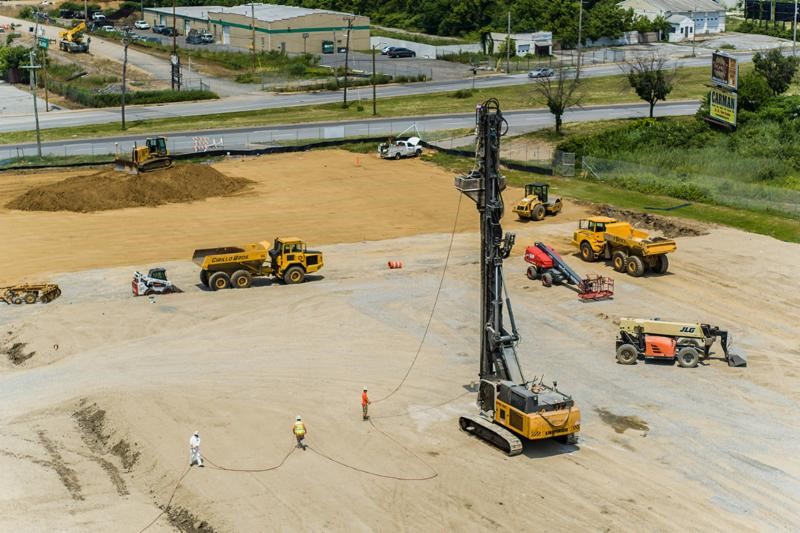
96 421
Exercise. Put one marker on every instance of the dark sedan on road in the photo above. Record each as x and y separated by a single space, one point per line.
401 52
541 72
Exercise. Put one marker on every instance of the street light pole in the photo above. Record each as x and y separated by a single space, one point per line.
794 31
693 32
580 32
508 45
32 75
124 72
374 104
349 19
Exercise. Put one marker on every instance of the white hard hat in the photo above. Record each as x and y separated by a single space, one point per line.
197 433
298 418
365 387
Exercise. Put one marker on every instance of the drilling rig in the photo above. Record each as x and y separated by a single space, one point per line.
510 406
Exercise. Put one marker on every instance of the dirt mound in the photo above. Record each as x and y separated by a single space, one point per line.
670 227
111 189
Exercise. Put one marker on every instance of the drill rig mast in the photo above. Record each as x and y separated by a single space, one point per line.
509 405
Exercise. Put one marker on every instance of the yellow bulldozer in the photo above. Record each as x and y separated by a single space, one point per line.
152 156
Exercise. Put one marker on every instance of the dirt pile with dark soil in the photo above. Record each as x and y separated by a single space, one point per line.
670 227
16 353
112 189
91 420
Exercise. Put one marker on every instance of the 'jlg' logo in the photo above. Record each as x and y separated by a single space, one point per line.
688 329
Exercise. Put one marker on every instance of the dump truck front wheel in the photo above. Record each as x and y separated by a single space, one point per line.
538 212
241 279
618 260
627 354
218 281
587 254
294 274
635 266
688 357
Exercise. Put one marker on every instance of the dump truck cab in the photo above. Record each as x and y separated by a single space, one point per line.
537 202
291 260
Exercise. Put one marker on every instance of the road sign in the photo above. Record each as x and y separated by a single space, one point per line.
44 42
723 106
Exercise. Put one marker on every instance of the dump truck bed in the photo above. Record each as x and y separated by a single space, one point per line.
639 240
253 254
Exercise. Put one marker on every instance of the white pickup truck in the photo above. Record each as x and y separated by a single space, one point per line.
400 148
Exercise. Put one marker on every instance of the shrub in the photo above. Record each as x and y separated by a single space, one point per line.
462 93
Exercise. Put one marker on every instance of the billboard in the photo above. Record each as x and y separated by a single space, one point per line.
723 106
724 70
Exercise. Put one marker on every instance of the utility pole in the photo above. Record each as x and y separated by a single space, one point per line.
794 31
124 72
253 28
693 32
174 31
37 46
374 80
508 45
32 75
85 12
305 38
349 19
142 9
580 31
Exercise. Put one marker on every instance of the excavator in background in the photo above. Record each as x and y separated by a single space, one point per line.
548 266
537 202
72 40
152 156
510 406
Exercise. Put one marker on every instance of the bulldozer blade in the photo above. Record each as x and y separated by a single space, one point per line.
736 358
120 166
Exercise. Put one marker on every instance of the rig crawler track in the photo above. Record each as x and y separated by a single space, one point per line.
492 433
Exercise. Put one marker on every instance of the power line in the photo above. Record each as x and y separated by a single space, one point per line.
433 308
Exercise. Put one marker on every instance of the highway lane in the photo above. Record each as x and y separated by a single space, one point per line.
259 137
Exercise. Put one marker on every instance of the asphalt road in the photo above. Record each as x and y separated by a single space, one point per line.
253 102
259 137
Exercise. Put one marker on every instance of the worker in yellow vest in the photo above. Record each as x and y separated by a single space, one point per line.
299 430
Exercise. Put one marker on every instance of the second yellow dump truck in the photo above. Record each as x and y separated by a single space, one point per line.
288 260
629 249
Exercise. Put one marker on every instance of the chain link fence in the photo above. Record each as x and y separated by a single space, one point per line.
692 187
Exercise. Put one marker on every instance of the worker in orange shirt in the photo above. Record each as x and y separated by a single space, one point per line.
365 404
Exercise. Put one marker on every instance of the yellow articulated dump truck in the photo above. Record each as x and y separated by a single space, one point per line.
629 249
287 260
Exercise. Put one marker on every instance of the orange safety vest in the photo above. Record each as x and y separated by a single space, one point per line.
364 398
299 429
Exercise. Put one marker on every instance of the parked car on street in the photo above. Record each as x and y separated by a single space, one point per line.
159 28
207 37
97 15
386 49
108 28
169 31
541 72
141 25
193 37
401 52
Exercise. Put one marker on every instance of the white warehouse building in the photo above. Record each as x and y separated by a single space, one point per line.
687 17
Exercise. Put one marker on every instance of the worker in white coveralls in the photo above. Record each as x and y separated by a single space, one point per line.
194 450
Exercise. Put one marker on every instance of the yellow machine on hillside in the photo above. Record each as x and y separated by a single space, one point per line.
235 266
511 407
152 156
630 250
72 39
537 202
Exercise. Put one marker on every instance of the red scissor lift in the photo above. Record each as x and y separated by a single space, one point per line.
548 266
